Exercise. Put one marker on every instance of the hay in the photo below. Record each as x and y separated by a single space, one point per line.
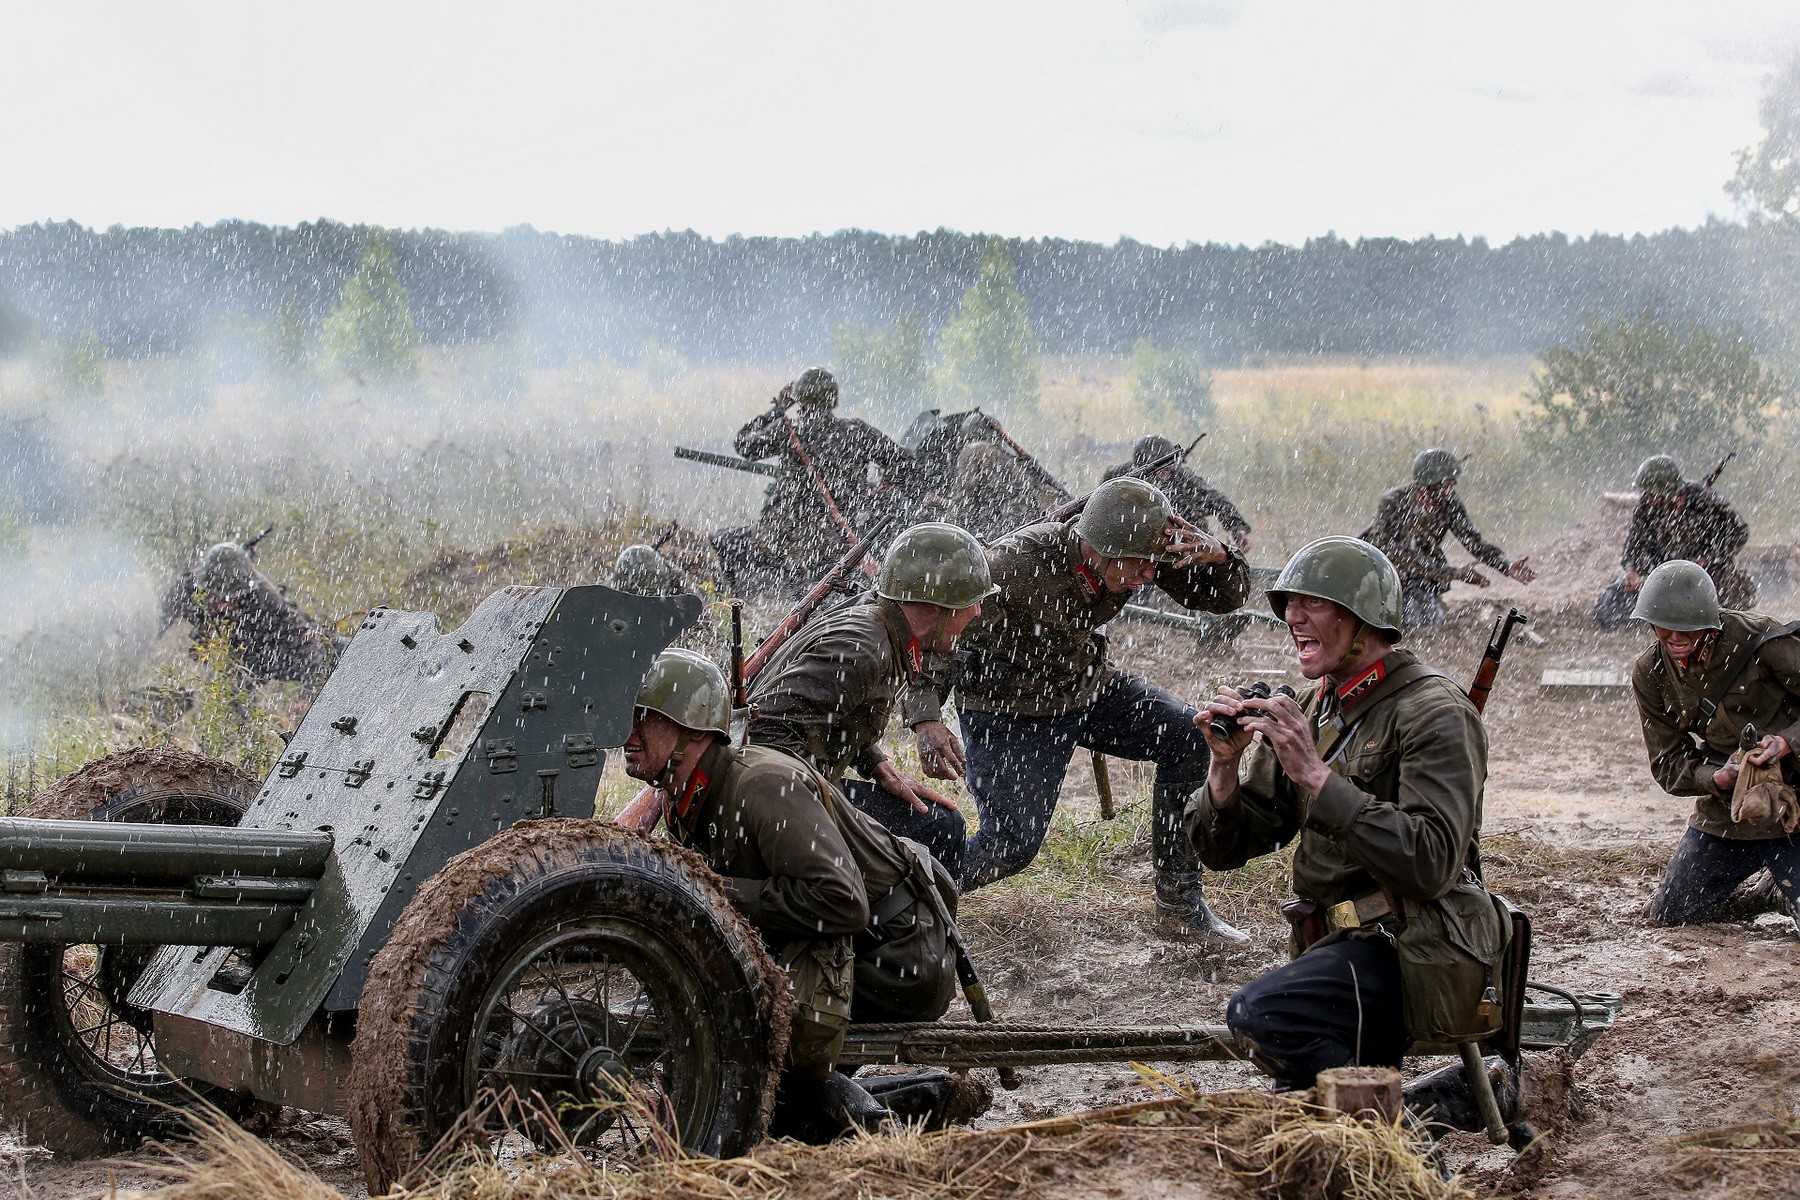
1761 1158
1230 1143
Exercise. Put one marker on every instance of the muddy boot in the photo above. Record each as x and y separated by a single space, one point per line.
849 1104
1182 911
932 1098
1442 1097
818 1111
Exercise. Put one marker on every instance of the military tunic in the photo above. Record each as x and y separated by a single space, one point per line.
993 493
1192 497
1411 533
795 525
1700 526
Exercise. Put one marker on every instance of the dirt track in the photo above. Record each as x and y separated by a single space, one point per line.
1710 1035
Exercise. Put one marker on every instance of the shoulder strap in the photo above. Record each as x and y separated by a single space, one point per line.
1709 704
1335 735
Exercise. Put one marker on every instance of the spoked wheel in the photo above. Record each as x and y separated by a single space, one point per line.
569 985
78 1068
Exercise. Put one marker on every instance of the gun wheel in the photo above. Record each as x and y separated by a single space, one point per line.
78 1068
566 986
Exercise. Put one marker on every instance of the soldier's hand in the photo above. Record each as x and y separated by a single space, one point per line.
912 791
1771 748
1288 732
1633 581
1190 544
1243 543
1470 574
940 753
1521 570
1228 703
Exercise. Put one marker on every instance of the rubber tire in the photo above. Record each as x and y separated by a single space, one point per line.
43 1091
406 1078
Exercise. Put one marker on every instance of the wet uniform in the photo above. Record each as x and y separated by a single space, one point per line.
1717 853
1701 526
1392 829
1191 496
994 493
827 696
1411 532
269 633
1032 683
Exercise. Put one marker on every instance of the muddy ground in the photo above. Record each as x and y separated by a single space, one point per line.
1576 833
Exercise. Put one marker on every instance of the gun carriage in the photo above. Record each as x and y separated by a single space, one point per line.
415 914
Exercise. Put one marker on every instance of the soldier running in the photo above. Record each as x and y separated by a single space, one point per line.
1189 494
1378 769
1411 523
1712 674
1032 683
1677 519
827 695
823 486
817 879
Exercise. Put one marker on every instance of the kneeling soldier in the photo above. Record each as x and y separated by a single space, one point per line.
821 882
1378 768
1713 674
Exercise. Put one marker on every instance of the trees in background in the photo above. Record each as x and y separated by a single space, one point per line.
886 369
371 330
1171 387
987 349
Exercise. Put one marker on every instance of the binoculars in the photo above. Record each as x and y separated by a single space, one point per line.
1223 727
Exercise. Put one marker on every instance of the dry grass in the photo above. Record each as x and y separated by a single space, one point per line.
1757 1159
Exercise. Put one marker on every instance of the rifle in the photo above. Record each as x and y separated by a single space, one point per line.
1064 511
250 543
662 539
728 461
1031 464
1490 660
1712 476
739 693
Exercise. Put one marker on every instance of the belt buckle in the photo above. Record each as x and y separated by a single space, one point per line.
1343 916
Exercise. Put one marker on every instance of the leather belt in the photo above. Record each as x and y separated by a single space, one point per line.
1366 910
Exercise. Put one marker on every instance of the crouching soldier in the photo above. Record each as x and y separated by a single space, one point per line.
1032 683
802 867
826 697
1713 675
1676 518
1377 767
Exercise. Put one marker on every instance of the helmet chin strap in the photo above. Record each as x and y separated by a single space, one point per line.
665 778
1354 652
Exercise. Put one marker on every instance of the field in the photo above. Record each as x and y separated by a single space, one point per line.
485 473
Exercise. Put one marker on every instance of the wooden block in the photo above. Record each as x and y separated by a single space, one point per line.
1354 1090
1588 683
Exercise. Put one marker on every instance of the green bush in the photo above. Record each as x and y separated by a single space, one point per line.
371 330
1172 387
885 369
988 349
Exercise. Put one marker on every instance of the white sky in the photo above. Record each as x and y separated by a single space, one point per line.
1164 120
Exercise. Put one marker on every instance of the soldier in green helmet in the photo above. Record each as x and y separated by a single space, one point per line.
223 592
1713 674
826 463
1377 767
1190 495
814 876
1410 526
1032 683
828 694
1677 518
643 571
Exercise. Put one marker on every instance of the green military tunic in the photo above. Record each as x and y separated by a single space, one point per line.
1700 526
1766 694
1411 533
795 524
759 818
1037 650
1191 496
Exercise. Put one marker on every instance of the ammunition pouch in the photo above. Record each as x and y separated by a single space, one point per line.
1452 951
906 956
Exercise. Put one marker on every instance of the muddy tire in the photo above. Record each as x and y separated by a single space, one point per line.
601 976
78 1070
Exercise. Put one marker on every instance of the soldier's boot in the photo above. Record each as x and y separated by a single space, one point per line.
1182 911
1442 1097
848 1103
818 1111
932 1098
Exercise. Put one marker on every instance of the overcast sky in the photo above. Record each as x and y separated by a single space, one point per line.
1165 120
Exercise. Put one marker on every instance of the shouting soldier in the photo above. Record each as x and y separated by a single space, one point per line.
1032 683
1411 523
1677 519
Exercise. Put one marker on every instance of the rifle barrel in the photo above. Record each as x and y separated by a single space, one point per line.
728 461
803 611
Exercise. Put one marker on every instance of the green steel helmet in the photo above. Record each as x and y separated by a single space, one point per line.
225 570
639 569
977 428
1434 466
1127 518
689 690
1658 473
935 563
1151 447
817 386
1346 571
1678 595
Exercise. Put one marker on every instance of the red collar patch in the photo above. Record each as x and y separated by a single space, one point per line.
1089 580
915 658
1349 693
697 783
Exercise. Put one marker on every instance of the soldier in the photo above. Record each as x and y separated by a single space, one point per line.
1675 519
1378 768
801 867
1712 673
1032 683
1191 496
993 495
823 484
827 695
643 571
269 633
1411 523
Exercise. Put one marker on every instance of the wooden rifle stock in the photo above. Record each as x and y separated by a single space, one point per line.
803 611
1490 661
1025 456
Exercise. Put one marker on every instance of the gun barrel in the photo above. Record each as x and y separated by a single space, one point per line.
966 1046
113 851
728 461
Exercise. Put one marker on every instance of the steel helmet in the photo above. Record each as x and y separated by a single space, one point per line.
1151 447
689 690
1436 465
226 570
1346 571
1658 473
640 569
1127 518
817 386
935 563
1678 595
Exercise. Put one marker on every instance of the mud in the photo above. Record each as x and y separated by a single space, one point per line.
1576 833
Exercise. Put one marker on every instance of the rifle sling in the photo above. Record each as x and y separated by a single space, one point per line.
1734 667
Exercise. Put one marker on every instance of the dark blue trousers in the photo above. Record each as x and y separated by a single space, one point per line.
1337 1005
1706 868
